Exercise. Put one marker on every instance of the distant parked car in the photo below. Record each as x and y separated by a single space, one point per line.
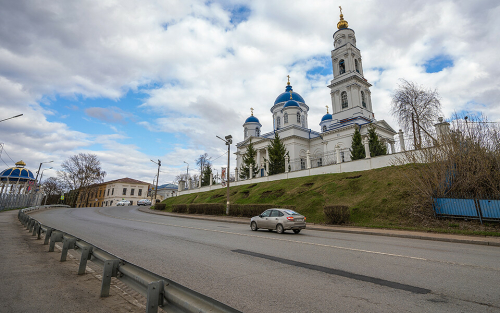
279 219
123 203
144 202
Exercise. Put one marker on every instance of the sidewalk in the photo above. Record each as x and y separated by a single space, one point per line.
33 280
478 240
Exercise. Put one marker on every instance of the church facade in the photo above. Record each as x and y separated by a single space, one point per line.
351 108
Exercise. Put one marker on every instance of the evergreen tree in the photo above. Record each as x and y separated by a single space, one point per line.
249 159
277 154
357 147
376 147
205 179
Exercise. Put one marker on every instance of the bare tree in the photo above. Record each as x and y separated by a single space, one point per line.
202 161
80 172
52 186
416 109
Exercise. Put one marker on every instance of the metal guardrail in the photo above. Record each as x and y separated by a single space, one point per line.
158 290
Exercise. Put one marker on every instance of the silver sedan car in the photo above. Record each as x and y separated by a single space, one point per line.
279 219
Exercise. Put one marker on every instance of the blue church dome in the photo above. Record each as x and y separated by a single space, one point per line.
252 119
326 117
291 103
286 96
18 173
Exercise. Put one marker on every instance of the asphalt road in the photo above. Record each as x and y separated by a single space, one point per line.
312 271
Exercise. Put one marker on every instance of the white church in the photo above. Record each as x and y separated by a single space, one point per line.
351 107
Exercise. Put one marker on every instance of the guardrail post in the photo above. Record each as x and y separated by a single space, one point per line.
55 237
110 269
68 243
34 229
155 296
38 231
27 224
86 255
32 225
48 233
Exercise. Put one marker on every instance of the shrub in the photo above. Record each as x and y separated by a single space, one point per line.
336 214
206 208
179 208
160 206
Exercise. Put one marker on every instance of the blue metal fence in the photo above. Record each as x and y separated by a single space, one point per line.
467 208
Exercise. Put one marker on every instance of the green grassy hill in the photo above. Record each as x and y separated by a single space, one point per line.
381 198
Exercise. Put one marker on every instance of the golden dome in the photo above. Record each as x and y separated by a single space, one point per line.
20 163
342 23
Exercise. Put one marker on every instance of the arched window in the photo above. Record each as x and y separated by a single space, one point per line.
278 122
303 122
356 65
298 117
341 67
285 118
257 132
324 128
343 95
363 101
246 132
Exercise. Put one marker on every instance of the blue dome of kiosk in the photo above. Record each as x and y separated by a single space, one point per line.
18 173
286 96
326 117
291 103
252 119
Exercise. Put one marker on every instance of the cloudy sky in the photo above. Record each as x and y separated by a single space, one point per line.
132 81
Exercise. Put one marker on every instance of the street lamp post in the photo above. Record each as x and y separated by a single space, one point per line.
187 173
41 175
228 140
11 117
38 172
158 175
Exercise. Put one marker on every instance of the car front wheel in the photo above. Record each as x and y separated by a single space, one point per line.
253 226
280 229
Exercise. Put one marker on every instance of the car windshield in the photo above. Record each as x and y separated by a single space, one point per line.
290 212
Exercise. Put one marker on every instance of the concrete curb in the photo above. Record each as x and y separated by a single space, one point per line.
388 233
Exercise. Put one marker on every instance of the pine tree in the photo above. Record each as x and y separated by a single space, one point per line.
376 147
249 159
277 154
357 147
205 179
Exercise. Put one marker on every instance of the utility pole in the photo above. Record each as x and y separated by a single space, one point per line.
228 140
157 176
38 172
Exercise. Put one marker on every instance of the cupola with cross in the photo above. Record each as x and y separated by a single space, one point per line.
252 126
289 109
349 90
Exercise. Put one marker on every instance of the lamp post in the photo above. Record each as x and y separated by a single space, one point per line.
11 117
38 172
152 186
228 140
41 175
157 176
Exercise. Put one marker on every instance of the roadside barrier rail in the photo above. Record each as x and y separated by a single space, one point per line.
481 209
158 290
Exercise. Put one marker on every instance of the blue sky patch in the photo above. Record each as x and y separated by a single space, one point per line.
438 63
239 14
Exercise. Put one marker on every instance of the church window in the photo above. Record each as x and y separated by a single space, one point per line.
257 132
303 122
341 67
324 128
298 117
285 118
302 164
363 99
246 132
320 162
278 122
342 157
343 95
356 65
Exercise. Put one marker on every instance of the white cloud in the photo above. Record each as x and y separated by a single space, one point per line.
206 73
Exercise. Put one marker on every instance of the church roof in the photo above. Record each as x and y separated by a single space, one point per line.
326 117
286 96
291 103
252 119
17 173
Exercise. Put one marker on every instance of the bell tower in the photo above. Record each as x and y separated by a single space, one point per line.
350 91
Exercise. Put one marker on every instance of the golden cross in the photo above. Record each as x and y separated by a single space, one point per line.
340 9
326 109
251 109
291 95
288 78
